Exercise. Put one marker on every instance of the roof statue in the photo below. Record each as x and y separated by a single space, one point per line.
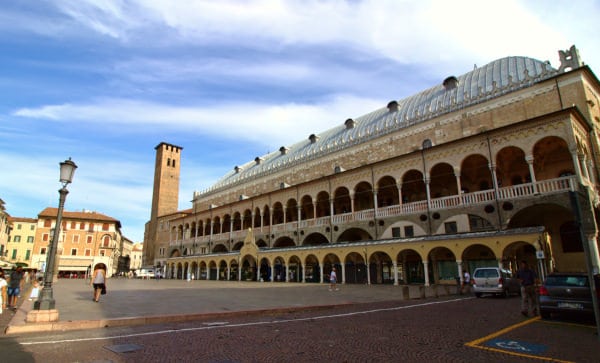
249 237
569 59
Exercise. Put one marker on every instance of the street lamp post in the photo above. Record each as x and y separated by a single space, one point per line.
46 299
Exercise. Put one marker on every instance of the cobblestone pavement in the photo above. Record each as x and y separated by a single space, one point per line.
382 330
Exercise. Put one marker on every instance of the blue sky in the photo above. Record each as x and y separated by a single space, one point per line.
104 82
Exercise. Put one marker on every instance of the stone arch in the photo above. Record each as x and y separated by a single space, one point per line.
266 216
277 213
478 255
381 268
180 271
207 227
552 159
475 174
323 208
355 268
307 208
519 251
219 248
247 220
363 196
237 221
442 265
279 269
313 272
291 210
341 201
217 225
553 217
226 226
223 270
294 269
261 243
387 192
315 239
354 235
410 267
237 246
511 167
413 186
442 181
257 219
284 241
265 269
248 268
330 261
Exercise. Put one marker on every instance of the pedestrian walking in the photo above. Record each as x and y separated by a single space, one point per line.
528 279
3 285
333 280
98 281
15 284
35 289
466 285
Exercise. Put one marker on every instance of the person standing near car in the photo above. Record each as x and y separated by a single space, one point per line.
466 285
527 277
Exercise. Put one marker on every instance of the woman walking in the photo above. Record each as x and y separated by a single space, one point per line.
98 280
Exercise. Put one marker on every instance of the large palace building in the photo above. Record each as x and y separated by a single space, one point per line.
494 166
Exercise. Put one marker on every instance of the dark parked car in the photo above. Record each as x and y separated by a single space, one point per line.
567 294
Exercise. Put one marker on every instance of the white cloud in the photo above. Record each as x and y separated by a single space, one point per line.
406 31
245 121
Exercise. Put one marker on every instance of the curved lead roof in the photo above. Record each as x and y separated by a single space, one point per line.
481 84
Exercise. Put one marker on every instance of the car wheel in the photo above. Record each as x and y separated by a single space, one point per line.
545 314
478 294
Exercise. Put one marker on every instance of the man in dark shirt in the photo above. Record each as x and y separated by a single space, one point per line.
528 279
14 287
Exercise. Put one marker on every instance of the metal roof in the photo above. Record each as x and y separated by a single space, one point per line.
481 84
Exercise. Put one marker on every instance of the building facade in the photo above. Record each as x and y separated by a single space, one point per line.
488 168
86 238
136 257
21 240
4 230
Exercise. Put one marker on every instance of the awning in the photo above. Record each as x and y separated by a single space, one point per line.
72 268
6 264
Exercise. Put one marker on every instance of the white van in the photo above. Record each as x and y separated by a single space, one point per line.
496 281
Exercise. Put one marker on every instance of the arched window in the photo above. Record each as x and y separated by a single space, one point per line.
106 241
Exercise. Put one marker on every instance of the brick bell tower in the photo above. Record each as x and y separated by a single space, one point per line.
165 194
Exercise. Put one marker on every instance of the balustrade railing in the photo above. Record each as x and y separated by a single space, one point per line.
549 186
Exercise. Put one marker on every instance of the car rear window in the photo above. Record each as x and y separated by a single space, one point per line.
576 281
483 273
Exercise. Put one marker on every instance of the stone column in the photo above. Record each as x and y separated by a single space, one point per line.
428 192
395 273
303 273
426 271
321 270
